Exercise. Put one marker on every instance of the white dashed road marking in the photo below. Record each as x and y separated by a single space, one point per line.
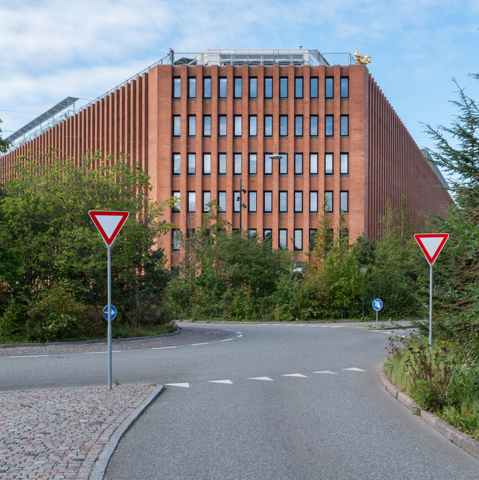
261 378
161 348
294 375
227 382
327 371
28 356
227 340
195 344
354 369
94 353
184 385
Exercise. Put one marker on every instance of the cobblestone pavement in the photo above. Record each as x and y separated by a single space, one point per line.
187 335
59 433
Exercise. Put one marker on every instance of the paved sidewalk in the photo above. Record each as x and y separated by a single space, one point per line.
60 433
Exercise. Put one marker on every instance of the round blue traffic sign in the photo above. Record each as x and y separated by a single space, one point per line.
377 304
113 312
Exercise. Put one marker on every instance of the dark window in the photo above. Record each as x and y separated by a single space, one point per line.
283 239
298 163
206 200
207 87
344 163
191 87
253 87
268 234
313 163
283 164
344 125
328 126
313 125
268 125
175 244
298 126
298 202
237 164
176 126
222 126
176 87
253 164
312 238
298 87
283 87
253 232
222 201
344 201
283 201
344 87
268 87
313 201
207 126
176 164
252 202
314 87
236 202
328 202
253 126
329 87
268 164
283 125
191 163
237 125
222 163
268 202
328 164
238 87
192 125
222 87
298 240
206 164
176 195
191 202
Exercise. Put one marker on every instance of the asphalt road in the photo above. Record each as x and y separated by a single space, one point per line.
271 417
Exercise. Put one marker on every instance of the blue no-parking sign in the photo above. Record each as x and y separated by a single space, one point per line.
377 304
113 312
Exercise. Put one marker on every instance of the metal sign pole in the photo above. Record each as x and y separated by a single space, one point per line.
377 315
109 318
430 309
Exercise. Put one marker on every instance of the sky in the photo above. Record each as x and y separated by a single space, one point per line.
51 49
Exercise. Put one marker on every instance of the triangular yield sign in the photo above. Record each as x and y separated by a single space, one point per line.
108 223
431 244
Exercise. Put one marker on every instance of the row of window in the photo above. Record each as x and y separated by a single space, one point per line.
268 125
282 237
268 164
268 87
268 201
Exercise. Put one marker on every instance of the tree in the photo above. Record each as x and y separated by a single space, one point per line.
3 143
46 233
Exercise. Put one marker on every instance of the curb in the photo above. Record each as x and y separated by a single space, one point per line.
100 466
459 438
87 342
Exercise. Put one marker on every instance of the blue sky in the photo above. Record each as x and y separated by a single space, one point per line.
55 48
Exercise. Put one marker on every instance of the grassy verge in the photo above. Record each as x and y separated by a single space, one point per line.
444 381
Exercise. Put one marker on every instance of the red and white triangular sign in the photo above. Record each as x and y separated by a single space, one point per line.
431 244
108 223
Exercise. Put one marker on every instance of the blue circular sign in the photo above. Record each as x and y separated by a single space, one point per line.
377 304
113 312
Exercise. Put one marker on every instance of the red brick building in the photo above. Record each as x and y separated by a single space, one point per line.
198 124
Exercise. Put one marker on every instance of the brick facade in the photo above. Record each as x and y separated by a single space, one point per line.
384 161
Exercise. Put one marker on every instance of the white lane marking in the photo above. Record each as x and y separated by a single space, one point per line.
327 371
95 353
354 369
294 375
27 356
261 378
312 326
324 326
300 325
161 348
227 340
239 333
239 336
335 326
184 385
194 344
227 382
